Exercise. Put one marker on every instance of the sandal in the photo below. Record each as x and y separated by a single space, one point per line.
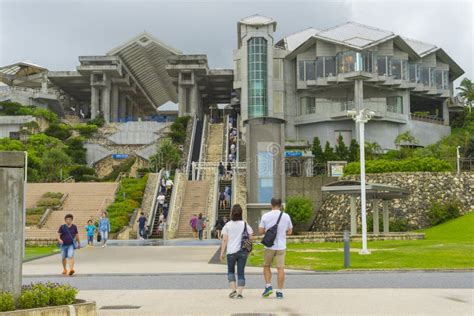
233 294
71 272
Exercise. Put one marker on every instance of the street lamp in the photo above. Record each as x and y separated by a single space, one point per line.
362 116
458 159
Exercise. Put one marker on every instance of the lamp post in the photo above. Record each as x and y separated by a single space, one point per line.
458 159
362 116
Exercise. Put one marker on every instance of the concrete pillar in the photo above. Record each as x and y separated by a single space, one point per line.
122 106
386 222
105 106
12 187
359 93
114 105
446 113
44 83
353 216
94 101
375 210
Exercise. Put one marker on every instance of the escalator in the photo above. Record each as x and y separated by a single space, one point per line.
196 146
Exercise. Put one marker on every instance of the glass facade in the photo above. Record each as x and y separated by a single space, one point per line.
395 104
413 72
265 176
445 79
329 66
257 77
367 61
425 75
396 68
383 63
346 62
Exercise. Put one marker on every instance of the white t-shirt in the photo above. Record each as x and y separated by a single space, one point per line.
161 199
234 230
269 219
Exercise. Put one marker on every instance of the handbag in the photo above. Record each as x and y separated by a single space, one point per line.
268 239
99 237
247 243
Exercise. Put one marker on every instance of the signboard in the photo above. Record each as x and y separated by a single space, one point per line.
119 156
336 168
293 154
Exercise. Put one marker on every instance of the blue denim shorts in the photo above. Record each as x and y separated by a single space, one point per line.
67 251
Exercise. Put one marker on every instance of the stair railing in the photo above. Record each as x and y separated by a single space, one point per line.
151 217
205 132
226 138
190 151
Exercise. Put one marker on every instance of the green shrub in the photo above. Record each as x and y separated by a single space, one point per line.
53 195
86 130
299 208
46 294
98 121
75 149
33 215
407 165
48 202
62 294
7 302
59 131
82 173
442 212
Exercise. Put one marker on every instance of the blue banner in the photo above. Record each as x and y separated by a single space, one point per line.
119 156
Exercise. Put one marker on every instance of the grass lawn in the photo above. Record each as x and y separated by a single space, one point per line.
39 251
446 246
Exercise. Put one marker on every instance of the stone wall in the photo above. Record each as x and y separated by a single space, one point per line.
424 187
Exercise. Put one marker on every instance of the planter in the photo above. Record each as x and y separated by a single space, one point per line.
80 308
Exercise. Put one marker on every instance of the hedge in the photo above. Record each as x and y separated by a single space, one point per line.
406 165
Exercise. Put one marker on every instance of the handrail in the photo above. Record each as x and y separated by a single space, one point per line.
68 179
215 208
190 151
172 203
151 217
203 140
210 165
237 126
226 138
44 217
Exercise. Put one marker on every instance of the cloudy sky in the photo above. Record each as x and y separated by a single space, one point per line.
54 33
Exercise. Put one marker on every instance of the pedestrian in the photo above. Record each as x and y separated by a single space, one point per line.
222 200
193 224
169 184
141 225
232 242
221 170
161 200
229 171
219 225
90 228
200 225
104 228
277 251
68 239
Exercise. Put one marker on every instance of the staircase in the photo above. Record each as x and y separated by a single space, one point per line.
224 211
84 202
194 202
215 143
156 221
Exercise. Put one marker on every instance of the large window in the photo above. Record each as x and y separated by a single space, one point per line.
367 61
265 176
257 77
395 104
437 78
445 79
396 68
325 66
413 72
346 62
307 70
383 63
307 105
425 75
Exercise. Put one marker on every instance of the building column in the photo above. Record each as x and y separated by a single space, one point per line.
105 106
44 83
386 222
122 108
375 210
12 226
445 113
358 102
353 216
94 101
114 106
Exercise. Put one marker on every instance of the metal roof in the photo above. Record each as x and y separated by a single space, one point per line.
146 58
294 40
257 19
373 190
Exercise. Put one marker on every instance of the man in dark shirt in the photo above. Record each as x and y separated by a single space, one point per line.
141 225
68 238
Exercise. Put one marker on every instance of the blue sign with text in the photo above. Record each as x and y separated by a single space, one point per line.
119 156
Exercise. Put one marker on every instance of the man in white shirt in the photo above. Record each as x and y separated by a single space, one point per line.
278 250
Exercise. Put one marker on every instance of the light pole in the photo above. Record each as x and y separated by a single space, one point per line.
458 159
362 116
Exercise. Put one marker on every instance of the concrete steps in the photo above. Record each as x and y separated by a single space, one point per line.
215 142
84 201
194 202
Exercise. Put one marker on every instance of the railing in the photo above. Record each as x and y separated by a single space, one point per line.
69 179
190 152
151 217
237 126
215 208
226 138
428 119
205 131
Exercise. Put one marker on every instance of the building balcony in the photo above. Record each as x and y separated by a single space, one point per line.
427 118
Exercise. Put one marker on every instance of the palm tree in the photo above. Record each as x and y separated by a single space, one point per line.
467 92
406 138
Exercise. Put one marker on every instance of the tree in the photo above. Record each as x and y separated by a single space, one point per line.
406 138
329 154
372 150
75 149
299 208
167 156
55 162
467 92
317 151
353 151
342 152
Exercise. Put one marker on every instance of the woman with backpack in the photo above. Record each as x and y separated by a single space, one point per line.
200 225
237 244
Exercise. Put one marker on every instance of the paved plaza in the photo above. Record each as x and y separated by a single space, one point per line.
132 279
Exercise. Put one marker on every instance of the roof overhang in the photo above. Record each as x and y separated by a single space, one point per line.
373 190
